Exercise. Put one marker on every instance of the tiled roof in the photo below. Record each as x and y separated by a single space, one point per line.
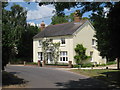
60 29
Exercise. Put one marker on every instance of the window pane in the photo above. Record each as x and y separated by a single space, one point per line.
93 41
38 55
63 58
66 53
60 58
66 58
40 43
61 53
63 40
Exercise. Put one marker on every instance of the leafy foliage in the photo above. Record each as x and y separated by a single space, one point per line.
80 53
48 45
16 34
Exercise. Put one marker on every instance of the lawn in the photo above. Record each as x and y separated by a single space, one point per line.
111 77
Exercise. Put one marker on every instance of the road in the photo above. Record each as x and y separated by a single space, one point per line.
43 77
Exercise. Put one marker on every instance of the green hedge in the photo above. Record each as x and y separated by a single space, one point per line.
64 64
111 62
83 65
87 65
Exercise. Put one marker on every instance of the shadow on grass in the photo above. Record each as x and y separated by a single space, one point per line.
109 80
111 77
11 79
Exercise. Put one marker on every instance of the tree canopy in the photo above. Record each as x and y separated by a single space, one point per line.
16 34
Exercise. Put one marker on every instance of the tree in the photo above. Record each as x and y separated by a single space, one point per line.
80 53
6 46
59 19
15 32
114 28
25 46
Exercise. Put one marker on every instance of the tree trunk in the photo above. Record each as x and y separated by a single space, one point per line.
118 63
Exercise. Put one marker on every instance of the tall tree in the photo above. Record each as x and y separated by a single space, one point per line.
6 46
25 46
114 29
62 19
15 34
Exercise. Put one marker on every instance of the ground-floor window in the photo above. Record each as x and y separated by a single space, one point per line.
91 54
63 56
40 56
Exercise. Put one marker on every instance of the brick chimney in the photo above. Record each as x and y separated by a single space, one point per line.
42 25
77 16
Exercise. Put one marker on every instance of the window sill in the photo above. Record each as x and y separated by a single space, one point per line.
63 45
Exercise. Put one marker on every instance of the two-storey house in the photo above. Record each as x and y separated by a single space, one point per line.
69 35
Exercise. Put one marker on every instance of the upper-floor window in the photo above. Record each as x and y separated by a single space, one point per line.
93 42
39 43
62 40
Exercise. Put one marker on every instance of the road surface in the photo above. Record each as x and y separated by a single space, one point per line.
43 77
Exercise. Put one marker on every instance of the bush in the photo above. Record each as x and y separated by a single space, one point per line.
16 61
111 62
87 65
76 66
101 65
31 63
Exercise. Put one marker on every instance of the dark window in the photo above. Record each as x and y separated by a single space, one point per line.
62 40
60 58
40 43
63 58
93 41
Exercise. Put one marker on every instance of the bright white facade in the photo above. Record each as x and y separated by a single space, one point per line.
83 35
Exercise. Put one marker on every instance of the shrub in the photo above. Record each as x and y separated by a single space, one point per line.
111 62
87 65
76 66
59 64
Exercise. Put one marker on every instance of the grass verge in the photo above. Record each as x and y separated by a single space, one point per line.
111 77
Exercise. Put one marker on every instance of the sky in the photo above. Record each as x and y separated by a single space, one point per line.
36 14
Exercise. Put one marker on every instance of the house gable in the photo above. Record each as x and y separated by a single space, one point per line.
85 24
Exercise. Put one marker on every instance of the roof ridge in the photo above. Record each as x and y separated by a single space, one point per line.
60 24
67 22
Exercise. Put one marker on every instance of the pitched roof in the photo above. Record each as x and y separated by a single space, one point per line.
60 29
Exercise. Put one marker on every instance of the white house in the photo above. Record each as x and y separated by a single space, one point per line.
69 35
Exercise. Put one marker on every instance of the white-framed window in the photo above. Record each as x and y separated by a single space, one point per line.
63 56
93 42
40 43
40 56
62 40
